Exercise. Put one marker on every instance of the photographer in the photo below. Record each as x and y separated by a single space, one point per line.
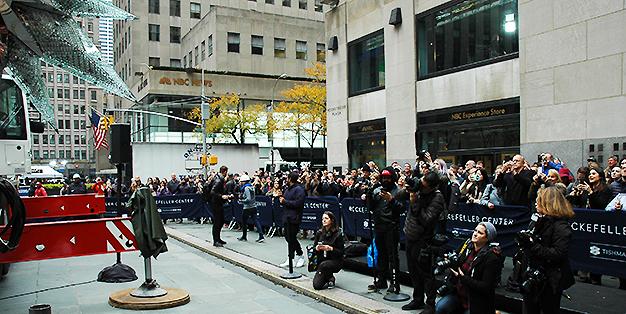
476 272
515 181
386 203
545 249
547 162
329 246
427 204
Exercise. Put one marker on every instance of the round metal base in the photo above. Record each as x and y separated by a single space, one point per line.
149 289
174 297
396 297
293 275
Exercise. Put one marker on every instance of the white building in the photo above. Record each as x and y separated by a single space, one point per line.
478 80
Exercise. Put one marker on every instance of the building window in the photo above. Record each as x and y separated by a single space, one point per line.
190 59
366 63
76 107
287 3
321 52
280 48
52 139
196 52
76 154
68 140
90 26
61 139
154 32
153 6
83 139
50 92
76 126
68 152
59 78
233 42
301 50
62 154
45 138
74 79
175 34
175 63
318 6
257 45
194 10
36 154
302 4
93 95
66 78
66 93
36 139
75 94
210 45
465 35
174 7
203 50
51 77
45 154
83 154
82 109
185 61
82 94
60 124
154 62
76 140
269 1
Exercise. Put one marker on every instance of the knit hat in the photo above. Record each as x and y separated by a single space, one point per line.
490 229
564 172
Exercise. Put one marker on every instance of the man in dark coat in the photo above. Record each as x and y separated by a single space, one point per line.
77 186
218 198
426 206
515 181
386 204
173 184
293 202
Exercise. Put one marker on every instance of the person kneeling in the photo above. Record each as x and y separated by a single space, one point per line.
475 271
329 246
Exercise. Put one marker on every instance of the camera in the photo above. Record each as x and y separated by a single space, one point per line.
450 260
421 154
535 278
412 184
525 237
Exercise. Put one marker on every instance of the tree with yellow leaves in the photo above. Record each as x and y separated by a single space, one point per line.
305 108
229 116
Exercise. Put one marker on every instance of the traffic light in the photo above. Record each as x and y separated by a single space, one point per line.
203 160
213 160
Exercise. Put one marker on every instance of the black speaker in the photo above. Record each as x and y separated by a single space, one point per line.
396 17
120 144
333 43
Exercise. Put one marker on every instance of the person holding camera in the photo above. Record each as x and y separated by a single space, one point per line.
515 181
329 245
475 270
386 202
546 248
548 162
426 205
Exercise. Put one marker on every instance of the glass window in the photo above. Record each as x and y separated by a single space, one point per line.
59 78
76 139
210 45
175 63
36 154
174 7
53 154
190 59
468 33
90 26
203 50
66 93
83 124
76 124
302 4
257 45
51 77
60 108
301 50
233 42
76 154
68 140
67 124
175 34
81 94
196 52
60 93
60 124
153 6
50 92
62 154
318 5
82 109
280 48
36 139
194 10
83 139
93 95
154 32
45 154
66 78
269 1
154 62
287 3
61 139
321 52
75 94
74 79
52 139
366 63
83 154
44 138
185 61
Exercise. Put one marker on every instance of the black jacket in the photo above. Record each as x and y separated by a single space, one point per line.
78 188
515 187
294 204
386 215
481 282
597 200
218 189
334 239
551 253
423 215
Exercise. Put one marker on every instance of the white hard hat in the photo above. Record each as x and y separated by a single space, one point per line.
76 176
244 178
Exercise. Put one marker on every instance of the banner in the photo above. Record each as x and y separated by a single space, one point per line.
169 207
355 218
508 220
314 208
599 242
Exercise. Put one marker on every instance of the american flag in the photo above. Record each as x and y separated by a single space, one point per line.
100 127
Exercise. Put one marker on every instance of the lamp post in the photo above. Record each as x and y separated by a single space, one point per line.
284 75
203 113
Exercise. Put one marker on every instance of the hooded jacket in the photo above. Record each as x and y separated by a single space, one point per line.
423 215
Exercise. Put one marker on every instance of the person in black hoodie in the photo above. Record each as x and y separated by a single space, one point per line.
427 204
547 251
329 247
476 279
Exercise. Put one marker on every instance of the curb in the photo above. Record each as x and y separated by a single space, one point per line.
338 298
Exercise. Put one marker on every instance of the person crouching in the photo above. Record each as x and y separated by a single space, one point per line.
329 246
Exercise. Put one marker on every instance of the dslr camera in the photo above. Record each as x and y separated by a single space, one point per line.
535 278
450 261
421 155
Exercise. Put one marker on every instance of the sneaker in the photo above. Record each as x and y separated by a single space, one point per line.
260 240
221 241
217 244
413 305
285 264
379 285
300 261
242 239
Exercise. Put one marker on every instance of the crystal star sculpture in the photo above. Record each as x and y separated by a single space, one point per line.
34 30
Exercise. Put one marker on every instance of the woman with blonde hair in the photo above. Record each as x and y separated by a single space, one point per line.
547 251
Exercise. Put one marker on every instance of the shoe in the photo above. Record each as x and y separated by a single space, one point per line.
393 290
413 305
242 239
260 240
379 285
331 282
300 261
217 244
285 264
221 241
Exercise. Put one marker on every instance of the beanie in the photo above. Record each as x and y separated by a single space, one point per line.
490 229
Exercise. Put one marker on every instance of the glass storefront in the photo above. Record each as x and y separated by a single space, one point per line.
486 131
366 142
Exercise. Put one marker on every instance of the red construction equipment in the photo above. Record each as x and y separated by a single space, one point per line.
63 206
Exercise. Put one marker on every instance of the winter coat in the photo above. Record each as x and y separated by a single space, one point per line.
218 189
551 253
595 200
294 204
78 188
334 239
491 195
386 215
247 196
423 215
617 187
484 276
515 187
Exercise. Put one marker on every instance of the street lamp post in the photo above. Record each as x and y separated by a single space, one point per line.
203 113
284 75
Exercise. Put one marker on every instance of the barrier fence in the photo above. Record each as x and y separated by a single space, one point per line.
598 242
